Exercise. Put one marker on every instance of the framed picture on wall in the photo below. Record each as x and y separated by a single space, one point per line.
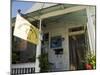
56 42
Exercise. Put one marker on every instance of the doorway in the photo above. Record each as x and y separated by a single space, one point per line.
77 51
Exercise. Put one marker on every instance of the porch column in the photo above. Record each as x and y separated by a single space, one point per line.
91 27
38 51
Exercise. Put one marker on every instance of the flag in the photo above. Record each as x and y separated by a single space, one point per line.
25 30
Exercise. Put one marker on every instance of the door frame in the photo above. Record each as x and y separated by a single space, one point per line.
72 34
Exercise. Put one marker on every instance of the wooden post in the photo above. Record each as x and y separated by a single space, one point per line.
38 51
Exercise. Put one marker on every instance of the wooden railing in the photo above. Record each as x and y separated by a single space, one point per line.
24 68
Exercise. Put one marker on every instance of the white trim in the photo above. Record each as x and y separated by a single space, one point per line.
76 33
74 26
38 50
23 65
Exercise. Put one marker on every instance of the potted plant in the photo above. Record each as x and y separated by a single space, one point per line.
91 61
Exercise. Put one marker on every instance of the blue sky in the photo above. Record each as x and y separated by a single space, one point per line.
23 5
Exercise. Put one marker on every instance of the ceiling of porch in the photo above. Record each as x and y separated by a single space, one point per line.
78 17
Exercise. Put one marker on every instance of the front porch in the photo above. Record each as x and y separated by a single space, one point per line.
65 37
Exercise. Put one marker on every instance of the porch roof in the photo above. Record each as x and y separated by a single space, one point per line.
49 10
46 10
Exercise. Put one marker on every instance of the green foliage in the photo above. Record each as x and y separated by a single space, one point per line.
91 59
44 63
15 57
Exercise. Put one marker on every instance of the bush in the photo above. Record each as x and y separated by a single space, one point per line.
44 63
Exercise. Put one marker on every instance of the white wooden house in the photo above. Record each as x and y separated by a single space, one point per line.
69 32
